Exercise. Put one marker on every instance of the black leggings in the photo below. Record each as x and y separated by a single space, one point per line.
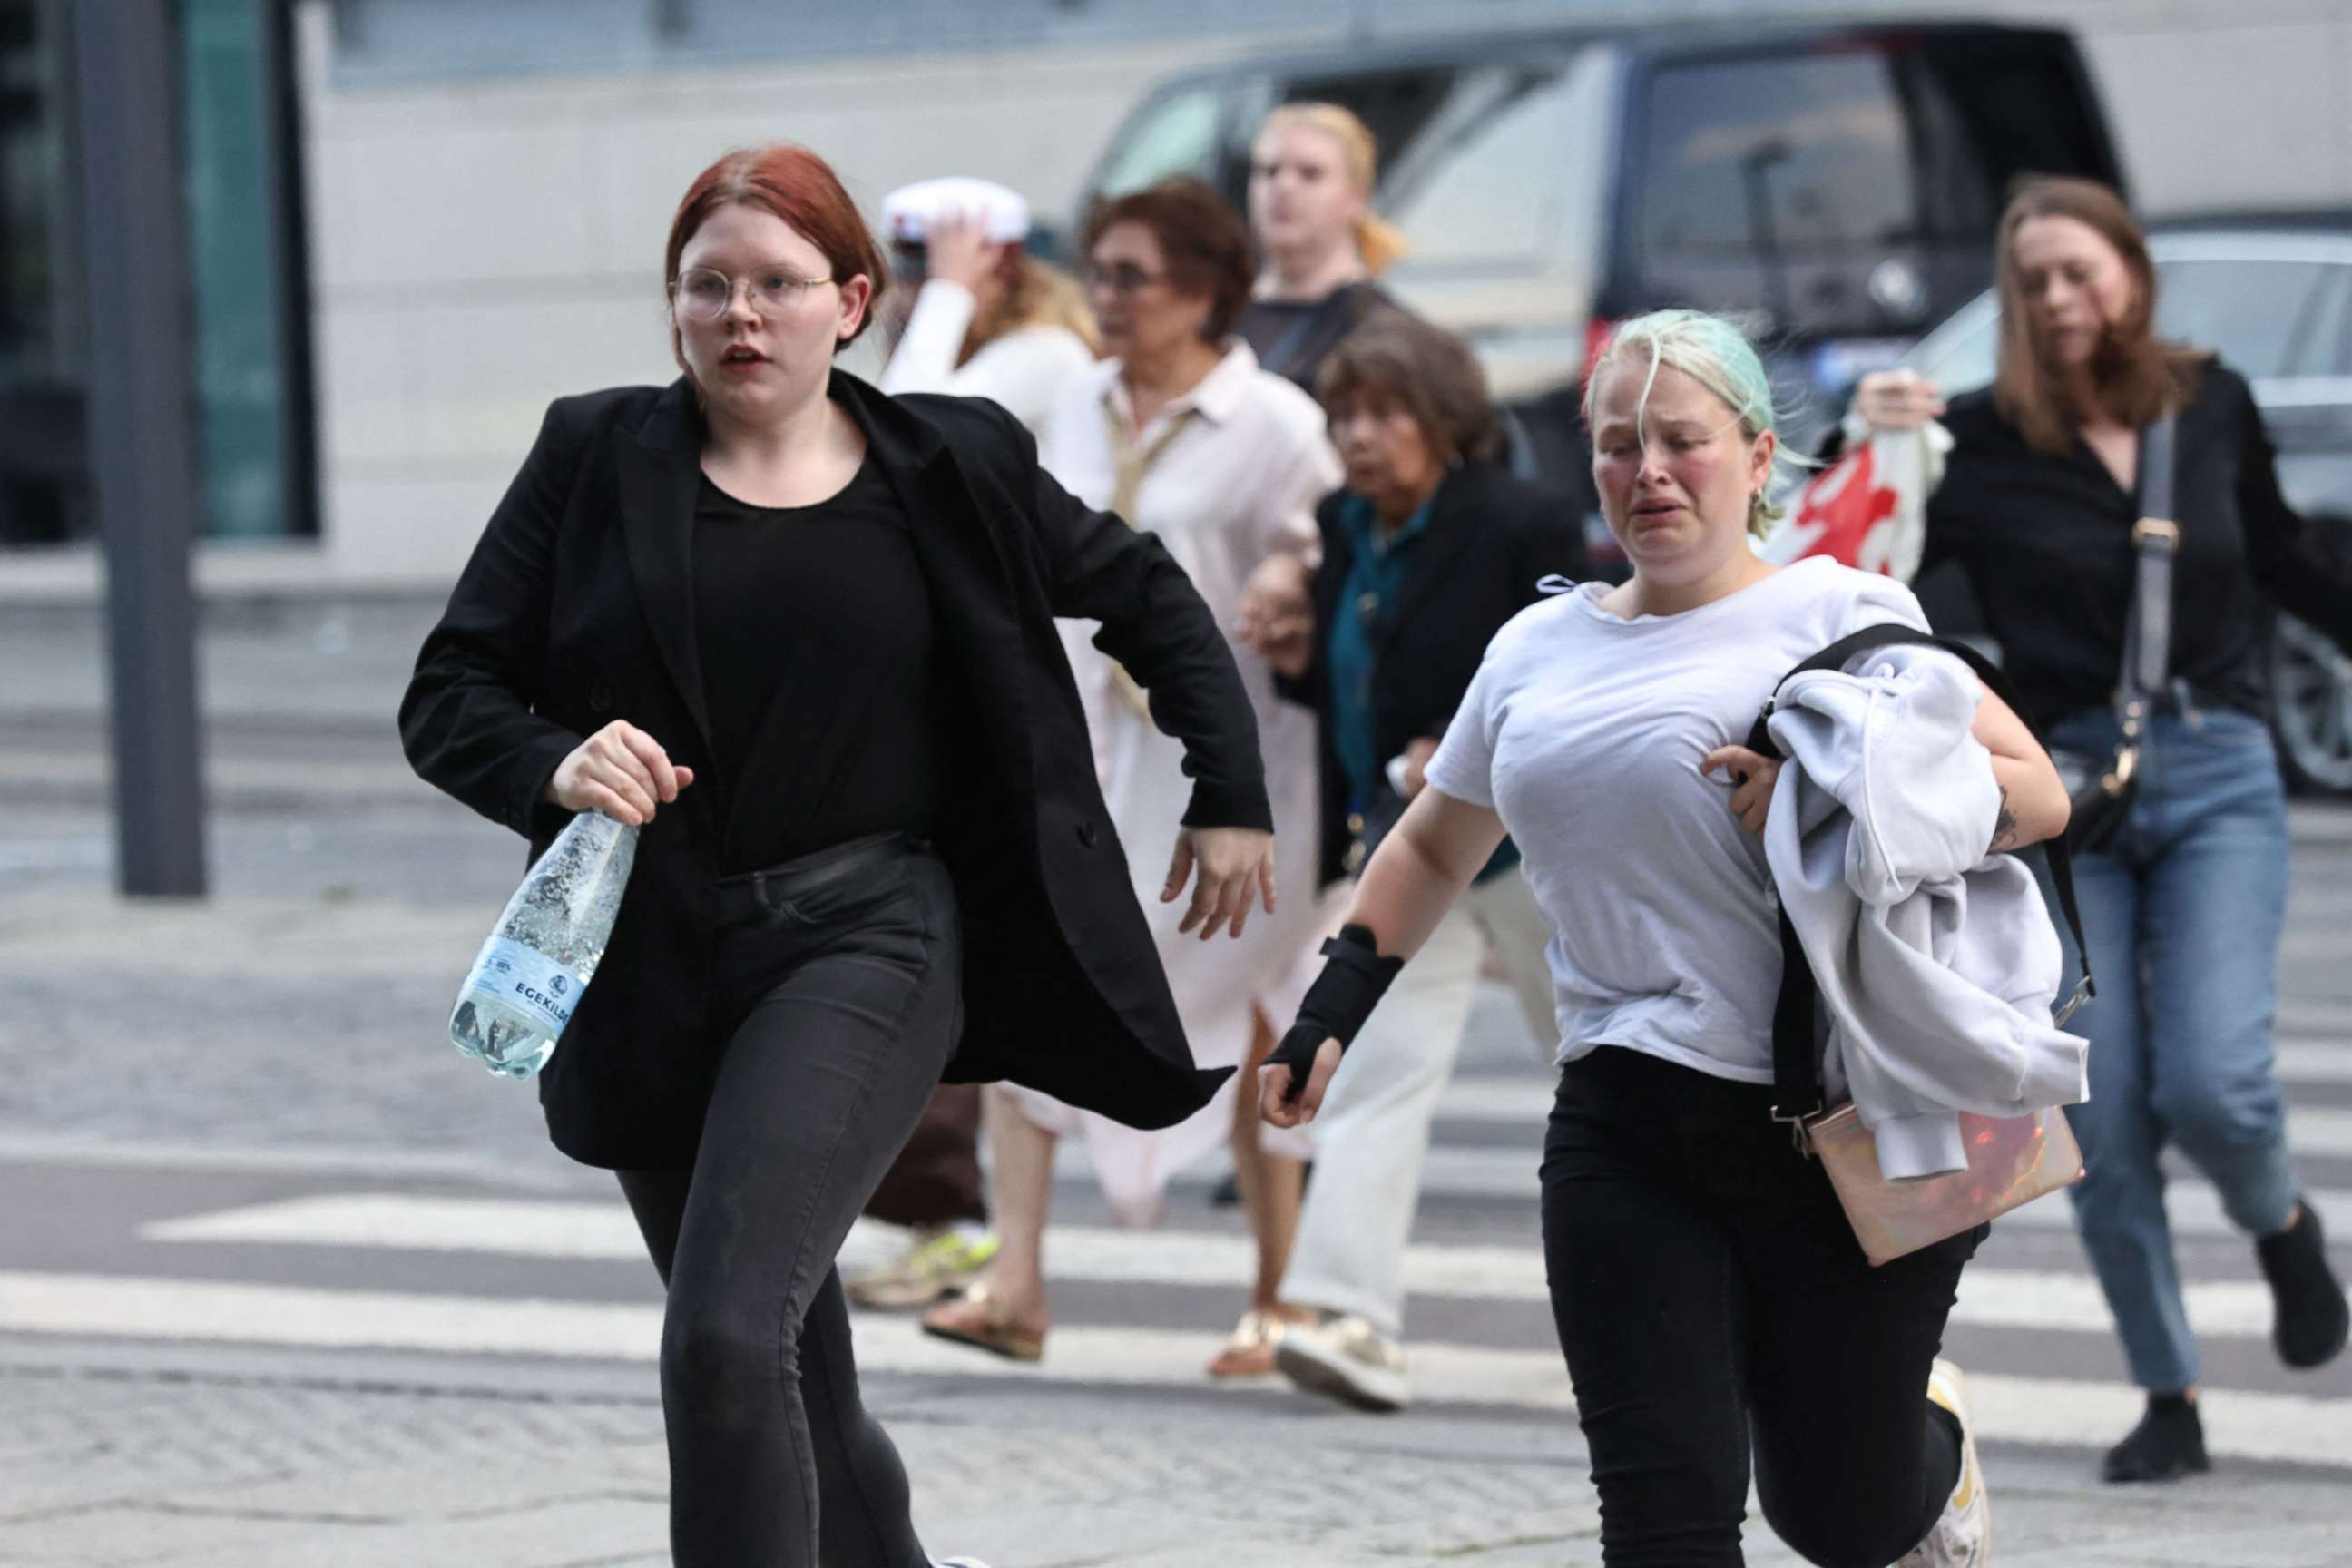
845 972
1711 1299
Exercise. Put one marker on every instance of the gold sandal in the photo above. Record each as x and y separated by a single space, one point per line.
1249 1353
979 1319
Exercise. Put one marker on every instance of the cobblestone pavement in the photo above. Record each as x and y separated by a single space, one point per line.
114 1468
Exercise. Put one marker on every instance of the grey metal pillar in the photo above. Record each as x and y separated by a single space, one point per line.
142 435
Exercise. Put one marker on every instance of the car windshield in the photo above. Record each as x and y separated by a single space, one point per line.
1789 156
2268 317
1175 133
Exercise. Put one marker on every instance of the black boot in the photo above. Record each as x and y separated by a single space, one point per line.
2168 1444
2312 1319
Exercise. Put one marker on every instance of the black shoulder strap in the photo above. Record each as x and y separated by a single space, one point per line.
1797 1036
2147 632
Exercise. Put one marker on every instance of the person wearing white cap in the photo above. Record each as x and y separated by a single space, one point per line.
990 320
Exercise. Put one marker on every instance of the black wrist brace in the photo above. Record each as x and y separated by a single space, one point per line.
1354 979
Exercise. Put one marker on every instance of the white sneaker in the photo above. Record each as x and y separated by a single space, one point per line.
957 1562
1962 1537
1345 1358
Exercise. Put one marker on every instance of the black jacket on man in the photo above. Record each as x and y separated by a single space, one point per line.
577 609
1490 537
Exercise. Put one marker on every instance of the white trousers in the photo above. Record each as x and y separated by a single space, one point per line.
1373 1131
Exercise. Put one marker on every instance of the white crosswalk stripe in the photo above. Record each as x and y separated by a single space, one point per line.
1993 1298
2250 1425
1502 1116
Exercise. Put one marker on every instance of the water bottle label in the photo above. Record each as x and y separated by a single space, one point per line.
527 979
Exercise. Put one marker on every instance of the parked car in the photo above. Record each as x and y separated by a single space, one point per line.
2272 295
1837 186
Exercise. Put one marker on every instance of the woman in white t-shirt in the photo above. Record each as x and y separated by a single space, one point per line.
1708 1291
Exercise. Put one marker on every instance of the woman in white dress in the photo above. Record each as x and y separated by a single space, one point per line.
987 321
1182 434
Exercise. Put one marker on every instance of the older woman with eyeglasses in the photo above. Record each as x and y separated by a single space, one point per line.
1182 434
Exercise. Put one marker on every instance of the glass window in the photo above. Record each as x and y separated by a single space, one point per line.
1480 183
1959 355
1797 155
1397 106
239 364
2326 332
2020 108
43 498
2253 314
1177 134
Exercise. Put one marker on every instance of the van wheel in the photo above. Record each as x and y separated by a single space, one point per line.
2311 709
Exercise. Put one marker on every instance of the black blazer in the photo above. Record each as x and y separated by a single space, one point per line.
1491 535
577 609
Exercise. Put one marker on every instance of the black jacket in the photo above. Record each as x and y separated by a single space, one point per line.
1491 536
2045 541
577 609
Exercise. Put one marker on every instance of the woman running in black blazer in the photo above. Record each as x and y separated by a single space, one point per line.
803 634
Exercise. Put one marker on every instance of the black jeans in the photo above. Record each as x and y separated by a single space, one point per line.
1711 1299
843 974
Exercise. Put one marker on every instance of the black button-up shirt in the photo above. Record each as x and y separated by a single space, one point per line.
2047 543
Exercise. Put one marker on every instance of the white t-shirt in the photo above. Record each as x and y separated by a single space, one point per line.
1585 732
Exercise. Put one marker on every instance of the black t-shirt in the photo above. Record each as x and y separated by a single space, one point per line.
1293 338
2045 542
815 630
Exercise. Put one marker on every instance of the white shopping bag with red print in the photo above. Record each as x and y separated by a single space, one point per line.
1868 508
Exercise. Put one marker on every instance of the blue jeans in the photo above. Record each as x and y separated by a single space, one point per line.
2182 914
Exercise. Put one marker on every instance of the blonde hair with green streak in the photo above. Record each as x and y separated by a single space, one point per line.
1711 352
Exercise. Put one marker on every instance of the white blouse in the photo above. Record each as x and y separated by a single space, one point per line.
1238 484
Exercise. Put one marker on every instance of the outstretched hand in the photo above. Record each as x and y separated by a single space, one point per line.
1236 865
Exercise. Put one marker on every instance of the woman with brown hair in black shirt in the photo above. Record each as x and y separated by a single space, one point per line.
2182 908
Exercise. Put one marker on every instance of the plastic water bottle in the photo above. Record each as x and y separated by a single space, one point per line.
543 951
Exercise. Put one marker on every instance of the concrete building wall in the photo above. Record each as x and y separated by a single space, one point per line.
483 246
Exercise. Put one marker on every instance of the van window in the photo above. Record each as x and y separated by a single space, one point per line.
2022 108
1176 134
1797 155
1481 183
1397 106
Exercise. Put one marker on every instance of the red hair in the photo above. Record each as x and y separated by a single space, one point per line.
797 186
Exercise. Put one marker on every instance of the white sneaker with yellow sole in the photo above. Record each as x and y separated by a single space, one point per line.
1962 1537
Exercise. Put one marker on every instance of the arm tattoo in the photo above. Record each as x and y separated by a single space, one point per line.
2005 827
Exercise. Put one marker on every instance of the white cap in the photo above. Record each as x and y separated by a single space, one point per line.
910 211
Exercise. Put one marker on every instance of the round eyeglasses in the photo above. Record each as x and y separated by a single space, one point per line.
705 292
